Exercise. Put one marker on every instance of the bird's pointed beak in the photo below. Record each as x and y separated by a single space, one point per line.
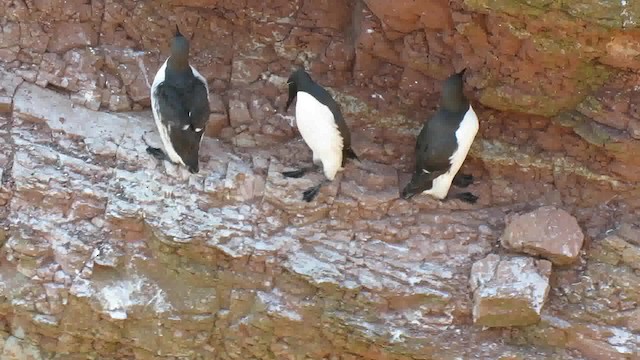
178 31
411 189
406 194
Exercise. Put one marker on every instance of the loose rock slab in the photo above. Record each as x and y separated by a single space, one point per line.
547 231
509 291
8 84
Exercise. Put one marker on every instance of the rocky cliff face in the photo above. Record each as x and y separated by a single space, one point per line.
108 253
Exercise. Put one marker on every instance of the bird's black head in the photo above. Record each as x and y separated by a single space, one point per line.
298 80
452 97
186 142
179 51
418 184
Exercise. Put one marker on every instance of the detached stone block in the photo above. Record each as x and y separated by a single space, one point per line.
8 85
509 291
548 232
239 113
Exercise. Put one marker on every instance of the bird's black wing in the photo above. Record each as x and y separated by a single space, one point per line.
344 132
325 98
182 107
199 106
435 144
171 105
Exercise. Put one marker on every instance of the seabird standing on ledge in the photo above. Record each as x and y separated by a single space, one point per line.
443 144
320 122
180 104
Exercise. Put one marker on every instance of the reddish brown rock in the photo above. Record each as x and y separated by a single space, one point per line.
67 36
239 113
407 16
623 51
216 123
548 231
101 237
625 170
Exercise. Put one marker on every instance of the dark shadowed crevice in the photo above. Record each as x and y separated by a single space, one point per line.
352 33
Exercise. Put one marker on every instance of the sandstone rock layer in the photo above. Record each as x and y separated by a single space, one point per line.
110 254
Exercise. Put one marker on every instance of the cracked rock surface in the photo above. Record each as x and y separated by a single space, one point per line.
109 254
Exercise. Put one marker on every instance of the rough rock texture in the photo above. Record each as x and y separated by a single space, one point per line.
509 291
575 66
548 231
109 254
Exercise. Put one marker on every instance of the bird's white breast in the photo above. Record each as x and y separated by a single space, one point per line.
319 130
465 135
163 127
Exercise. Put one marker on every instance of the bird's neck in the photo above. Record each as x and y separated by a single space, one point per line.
178 63
455 104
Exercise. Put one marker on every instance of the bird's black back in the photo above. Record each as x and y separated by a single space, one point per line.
184 107
183 99
437 141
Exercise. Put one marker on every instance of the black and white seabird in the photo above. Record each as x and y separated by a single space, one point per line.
320 122
443 144
180 104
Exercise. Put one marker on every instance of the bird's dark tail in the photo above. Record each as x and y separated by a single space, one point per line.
178 31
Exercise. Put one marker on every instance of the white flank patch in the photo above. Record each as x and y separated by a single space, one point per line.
320 131
464 135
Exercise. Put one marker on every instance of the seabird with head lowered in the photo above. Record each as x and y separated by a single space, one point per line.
180 104
320 122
